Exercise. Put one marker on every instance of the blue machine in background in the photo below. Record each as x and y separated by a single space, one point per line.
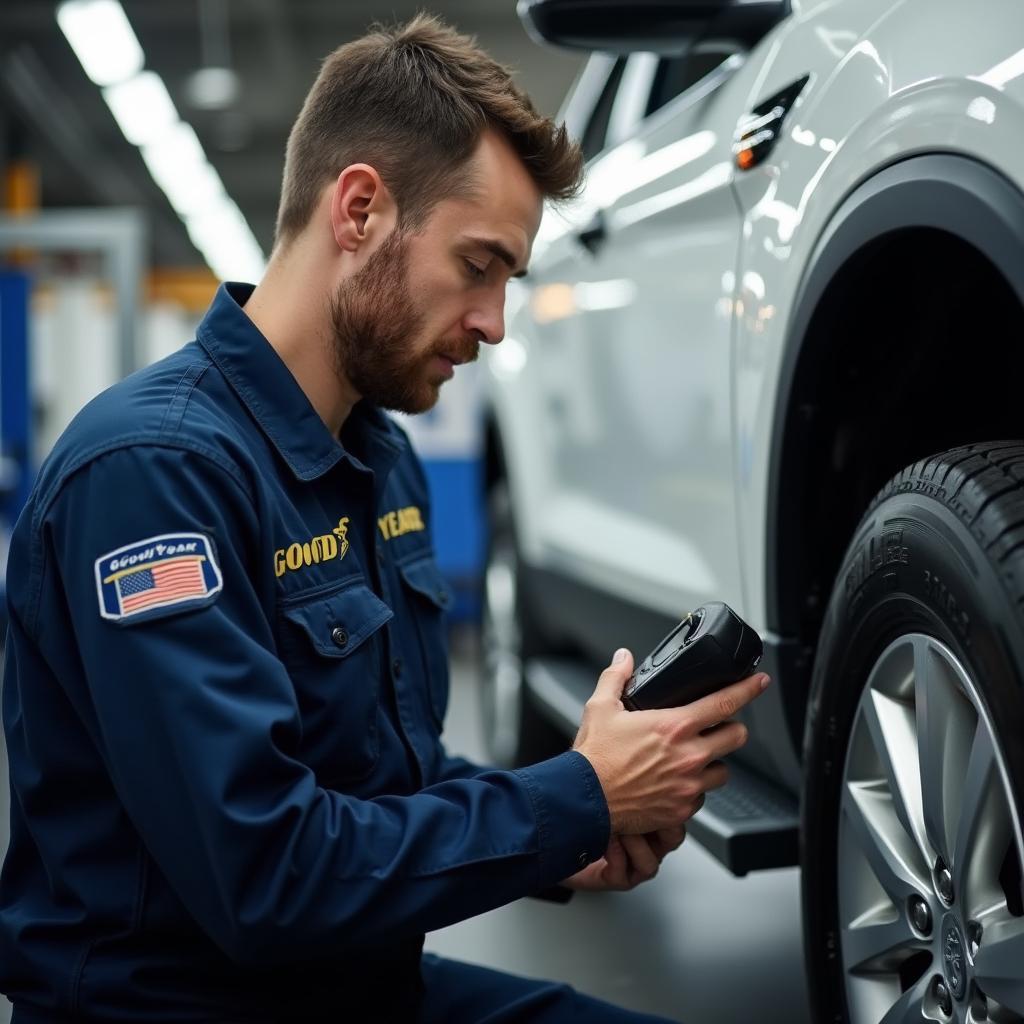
15 412
458 525
449 440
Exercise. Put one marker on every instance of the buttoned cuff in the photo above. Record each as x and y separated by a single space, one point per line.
573 826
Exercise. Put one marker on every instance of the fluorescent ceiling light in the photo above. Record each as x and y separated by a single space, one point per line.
222 235
102 38
142 107
201 191
179 166
215 224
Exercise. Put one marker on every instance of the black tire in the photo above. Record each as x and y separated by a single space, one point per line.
941 553
516 733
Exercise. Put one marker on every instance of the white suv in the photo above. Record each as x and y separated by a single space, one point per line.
774 355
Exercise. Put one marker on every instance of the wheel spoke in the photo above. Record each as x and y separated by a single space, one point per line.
945 719
992 915
909 1008
879 946
999 965
890 852
893 732
924 781
983 831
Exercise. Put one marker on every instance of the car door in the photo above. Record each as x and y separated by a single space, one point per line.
632 313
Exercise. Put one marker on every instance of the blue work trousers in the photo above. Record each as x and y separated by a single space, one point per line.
455 993
459 993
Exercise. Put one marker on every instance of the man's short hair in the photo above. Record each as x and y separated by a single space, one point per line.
413 101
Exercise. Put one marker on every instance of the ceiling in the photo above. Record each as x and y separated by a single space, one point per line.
52 113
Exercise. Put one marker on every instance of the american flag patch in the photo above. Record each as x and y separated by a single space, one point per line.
172 569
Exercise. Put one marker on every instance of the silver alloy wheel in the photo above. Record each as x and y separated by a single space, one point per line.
929 845
502 646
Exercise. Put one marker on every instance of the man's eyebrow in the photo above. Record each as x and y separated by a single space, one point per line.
495 248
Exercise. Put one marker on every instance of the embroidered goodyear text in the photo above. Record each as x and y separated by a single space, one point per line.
402 520
314 551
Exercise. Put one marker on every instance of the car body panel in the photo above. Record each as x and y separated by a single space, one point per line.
625 382
637 394
878 105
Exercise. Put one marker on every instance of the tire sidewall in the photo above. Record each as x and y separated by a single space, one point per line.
913 566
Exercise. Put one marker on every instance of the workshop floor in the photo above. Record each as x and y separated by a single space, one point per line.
694 945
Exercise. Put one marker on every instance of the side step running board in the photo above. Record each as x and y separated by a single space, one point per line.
749 825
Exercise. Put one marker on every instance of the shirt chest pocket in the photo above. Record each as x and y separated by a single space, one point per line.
331 646
430 597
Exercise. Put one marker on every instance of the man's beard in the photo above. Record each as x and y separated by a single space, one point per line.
376 325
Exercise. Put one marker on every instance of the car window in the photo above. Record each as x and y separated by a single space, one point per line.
677 74
596 131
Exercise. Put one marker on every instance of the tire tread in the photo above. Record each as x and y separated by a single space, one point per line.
983 484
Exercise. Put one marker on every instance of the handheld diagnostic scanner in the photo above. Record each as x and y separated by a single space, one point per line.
711 648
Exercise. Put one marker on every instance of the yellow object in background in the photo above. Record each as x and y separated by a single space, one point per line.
21 198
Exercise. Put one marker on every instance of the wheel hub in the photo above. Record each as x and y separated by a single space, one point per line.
954 960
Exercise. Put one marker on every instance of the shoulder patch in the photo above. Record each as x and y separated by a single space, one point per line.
172 569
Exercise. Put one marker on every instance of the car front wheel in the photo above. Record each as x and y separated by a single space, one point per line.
912 842
515 732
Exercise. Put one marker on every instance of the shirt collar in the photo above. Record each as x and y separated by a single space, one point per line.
272 394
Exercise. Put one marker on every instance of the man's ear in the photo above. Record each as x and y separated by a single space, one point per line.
361 207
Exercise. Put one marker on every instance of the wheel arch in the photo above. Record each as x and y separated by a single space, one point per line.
862 329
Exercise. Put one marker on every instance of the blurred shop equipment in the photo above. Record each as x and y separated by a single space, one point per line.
15 421
215 85
76 352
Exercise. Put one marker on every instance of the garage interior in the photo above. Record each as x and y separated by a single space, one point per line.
128 197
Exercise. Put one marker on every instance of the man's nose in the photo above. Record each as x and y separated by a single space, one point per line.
487 319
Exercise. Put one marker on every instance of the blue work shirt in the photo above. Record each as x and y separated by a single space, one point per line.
226 675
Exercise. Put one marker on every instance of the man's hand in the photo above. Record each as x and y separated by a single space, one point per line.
628 861
656 766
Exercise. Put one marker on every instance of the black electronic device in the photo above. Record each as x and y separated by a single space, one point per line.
711 648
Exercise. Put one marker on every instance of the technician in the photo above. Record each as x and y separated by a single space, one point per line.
226 670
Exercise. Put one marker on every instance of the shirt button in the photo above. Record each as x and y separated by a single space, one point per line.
339 635
583 860
396 667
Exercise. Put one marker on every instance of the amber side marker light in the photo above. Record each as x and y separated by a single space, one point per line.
758 131
745 159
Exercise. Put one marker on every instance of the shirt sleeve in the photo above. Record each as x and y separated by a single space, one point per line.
197 721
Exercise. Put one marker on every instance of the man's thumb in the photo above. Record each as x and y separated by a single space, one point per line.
614 677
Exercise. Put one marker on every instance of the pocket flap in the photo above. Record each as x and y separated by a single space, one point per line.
425 578
339 623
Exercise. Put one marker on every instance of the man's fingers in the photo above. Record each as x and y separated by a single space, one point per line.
665 840
724 738
643 861
723 704
613 678
715 776
615 855
616 872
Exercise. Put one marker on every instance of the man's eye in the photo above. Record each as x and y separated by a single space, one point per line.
474 271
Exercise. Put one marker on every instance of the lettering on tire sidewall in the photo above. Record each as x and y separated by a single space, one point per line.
883 552
887 559
944 600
